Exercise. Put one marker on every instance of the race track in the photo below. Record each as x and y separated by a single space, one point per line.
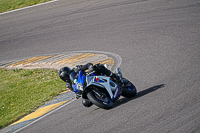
158 41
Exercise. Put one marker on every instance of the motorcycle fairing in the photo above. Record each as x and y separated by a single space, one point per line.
97 79
104 82
117 93
78 86
81 77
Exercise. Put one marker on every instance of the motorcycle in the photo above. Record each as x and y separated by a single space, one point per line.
100 89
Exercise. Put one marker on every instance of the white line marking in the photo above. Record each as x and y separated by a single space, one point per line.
28 7
45 115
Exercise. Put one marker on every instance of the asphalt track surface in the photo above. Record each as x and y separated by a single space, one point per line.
158 41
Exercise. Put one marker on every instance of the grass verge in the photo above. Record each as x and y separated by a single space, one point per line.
23 91
7 5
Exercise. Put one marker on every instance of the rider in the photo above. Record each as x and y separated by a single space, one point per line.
64 72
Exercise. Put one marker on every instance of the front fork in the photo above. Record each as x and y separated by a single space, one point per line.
119 73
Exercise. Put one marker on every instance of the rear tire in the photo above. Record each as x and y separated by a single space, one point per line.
104 103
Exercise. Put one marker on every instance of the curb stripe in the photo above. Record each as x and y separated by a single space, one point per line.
45 115
75 58
56 61
30 60
40 112
108 61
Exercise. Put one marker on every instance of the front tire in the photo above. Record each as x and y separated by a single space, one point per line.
129 90
100 99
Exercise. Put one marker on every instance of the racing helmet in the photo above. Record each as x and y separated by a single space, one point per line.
64 73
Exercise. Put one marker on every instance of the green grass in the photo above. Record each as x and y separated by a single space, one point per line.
23 91
7 5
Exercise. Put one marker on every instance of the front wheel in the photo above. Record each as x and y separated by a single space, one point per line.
129 90
100 99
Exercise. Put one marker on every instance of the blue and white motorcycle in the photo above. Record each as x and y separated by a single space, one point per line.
100 89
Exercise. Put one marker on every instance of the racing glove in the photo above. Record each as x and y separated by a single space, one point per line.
115 78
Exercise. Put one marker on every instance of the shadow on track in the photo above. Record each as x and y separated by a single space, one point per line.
138 95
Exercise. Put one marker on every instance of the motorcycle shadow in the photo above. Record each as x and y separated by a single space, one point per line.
138 95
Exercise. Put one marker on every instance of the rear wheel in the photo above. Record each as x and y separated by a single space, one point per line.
129 90
100 99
